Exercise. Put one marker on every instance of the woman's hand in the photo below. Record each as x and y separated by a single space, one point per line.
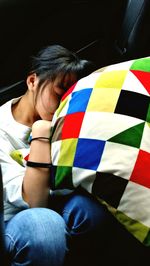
36 179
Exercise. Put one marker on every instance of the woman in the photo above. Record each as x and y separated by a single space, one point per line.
39 227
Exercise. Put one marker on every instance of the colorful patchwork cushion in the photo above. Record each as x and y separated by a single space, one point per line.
101 142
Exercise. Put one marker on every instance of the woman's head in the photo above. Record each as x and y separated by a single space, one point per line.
53 70
54 60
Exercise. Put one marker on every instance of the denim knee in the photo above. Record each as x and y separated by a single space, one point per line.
87 221
36 236
83 214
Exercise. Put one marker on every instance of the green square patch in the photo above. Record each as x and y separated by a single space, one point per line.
63 177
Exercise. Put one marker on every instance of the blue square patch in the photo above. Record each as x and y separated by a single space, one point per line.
88 153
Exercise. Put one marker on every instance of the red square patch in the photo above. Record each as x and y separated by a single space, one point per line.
72 125
141 172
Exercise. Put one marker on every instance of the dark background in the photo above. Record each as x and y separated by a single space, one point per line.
28 25
104 31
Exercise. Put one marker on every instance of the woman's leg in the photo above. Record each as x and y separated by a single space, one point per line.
87 223
36 237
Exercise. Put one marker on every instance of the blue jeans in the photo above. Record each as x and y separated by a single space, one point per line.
55 236
87 222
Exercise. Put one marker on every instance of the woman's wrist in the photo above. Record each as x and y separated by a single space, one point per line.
38 139
40 144
40 152
38 164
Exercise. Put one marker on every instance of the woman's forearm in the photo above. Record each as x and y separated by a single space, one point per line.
36 179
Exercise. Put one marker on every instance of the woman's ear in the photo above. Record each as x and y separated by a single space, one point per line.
32 82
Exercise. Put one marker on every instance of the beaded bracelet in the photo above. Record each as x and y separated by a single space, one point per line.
38 138
38 165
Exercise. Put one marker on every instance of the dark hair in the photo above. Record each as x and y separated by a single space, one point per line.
55 59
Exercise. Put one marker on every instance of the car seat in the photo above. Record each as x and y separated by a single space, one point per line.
133 39
3 257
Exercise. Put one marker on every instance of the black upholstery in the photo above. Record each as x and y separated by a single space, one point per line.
130 41
3 256
2 248
134 37
12 91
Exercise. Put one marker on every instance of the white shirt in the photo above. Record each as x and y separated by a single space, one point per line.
13 136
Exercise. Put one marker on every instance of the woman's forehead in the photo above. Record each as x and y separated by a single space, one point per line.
66 79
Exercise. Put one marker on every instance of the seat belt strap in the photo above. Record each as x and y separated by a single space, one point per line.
133 11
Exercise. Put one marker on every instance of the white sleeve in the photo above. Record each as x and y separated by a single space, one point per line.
13 174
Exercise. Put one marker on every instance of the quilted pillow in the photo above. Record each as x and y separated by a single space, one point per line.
101 142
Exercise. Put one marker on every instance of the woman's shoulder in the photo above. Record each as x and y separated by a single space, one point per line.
5 111
6 118
5 107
